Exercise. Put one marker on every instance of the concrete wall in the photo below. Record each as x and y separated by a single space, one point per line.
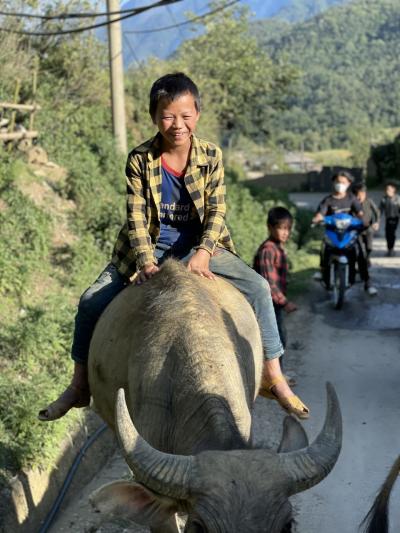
304 181
25 502
290 182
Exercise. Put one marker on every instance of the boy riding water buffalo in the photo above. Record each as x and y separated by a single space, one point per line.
175 208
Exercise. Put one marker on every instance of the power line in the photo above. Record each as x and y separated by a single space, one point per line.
126 40
70 15
137 11
194 19
135 57
175 21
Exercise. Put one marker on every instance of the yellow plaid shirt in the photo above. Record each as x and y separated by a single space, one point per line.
204 180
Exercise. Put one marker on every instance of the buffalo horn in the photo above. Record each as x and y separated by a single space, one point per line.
164 473
309 466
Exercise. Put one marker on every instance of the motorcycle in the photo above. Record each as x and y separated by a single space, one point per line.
340 254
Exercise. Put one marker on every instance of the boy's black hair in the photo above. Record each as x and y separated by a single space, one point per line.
343 173
171 86
392 183
276 215
359 186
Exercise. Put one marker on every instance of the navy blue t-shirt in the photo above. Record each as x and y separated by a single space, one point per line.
180 224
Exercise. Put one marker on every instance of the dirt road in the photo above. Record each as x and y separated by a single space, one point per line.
358 350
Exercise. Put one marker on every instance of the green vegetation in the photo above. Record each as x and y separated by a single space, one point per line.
240 84
386 158
331 157
349 87
305 9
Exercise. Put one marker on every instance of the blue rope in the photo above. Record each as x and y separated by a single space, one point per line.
67 482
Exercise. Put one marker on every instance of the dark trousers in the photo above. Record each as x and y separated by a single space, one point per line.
390 231
362 258
366 240
356 255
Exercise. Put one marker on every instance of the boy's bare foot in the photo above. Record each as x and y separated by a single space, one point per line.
77 394
71 397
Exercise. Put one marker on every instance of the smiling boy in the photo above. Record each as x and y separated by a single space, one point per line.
175 208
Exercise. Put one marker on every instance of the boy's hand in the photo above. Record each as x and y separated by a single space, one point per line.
146 273
290 307
199 263
318 217
375 226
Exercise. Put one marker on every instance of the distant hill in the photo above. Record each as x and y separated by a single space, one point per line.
300 10
350 59
139 46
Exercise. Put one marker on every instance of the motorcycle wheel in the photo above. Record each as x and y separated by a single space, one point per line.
339 286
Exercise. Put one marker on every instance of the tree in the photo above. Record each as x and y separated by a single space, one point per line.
240 81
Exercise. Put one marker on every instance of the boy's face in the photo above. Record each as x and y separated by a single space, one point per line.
390 190
341 184
280 232
361 195
176 120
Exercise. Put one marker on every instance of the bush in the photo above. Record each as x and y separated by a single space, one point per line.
23 233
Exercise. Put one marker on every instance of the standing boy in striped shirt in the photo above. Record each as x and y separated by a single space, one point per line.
271 263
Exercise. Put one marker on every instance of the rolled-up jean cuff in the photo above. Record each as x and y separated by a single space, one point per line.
274 355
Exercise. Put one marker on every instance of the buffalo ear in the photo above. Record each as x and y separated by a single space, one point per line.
132 501
293 436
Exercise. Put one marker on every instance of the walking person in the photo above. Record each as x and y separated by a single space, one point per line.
365 239
390 208
371 217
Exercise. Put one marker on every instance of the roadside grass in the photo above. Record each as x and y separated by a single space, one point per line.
304 263
331 157
37 305
303 253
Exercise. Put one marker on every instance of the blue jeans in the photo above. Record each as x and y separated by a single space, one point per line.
280 320
225 264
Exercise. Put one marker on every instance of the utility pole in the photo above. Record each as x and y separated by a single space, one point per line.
117 76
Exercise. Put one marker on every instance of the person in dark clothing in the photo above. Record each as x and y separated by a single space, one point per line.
371 218
390 208
342 200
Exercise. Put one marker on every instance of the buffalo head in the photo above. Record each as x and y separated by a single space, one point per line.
221 491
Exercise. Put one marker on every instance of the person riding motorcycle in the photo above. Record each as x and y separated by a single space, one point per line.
341 200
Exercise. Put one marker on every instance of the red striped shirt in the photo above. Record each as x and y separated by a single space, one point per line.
271 263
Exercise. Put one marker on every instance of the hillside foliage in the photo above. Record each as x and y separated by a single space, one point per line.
349 87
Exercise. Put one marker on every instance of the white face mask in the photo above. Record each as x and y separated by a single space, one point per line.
340 187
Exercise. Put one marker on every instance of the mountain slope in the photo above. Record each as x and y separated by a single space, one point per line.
349 57
300 10
139 46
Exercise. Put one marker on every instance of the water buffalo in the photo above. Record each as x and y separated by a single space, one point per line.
187 352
